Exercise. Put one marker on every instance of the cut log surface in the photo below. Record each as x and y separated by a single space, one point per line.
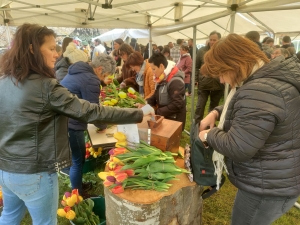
181 205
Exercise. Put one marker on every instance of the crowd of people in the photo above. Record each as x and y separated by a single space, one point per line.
51 92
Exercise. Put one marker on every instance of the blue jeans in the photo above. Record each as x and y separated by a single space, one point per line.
38 192
251 209
77 144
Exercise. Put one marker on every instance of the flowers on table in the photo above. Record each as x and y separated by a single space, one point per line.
140 167
77 210
112 95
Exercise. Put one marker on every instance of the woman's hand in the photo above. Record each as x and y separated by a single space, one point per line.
209 120
139 105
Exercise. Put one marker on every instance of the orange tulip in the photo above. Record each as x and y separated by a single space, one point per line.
120 177
129 172
118 151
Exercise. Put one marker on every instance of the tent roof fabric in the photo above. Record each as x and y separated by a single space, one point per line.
164 17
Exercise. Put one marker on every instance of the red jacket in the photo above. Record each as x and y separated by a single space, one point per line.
185 64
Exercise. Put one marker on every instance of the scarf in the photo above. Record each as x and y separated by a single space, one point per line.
140 75
217 158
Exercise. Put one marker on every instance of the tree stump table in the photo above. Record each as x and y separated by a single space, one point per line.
180 205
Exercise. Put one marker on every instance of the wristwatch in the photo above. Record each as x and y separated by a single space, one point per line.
205 142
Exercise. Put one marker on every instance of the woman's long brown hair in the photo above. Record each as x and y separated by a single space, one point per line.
232 54
19 62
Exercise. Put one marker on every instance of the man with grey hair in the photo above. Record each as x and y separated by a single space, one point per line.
207 87
84 81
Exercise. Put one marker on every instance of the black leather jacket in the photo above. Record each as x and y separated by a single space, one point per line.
34 123
261 138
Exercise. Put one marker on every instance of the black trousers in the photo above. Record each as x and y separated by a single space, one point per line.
203 95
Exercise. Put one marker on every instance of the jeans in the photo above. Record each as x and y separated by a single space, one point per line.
37 192
251 209
188 87
215 97
77 144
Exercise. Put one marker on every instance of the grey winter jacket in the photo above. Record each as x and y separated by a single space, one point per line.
34 123
261 137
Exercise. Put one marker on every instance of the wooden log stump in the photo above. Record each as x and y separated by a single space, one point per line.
181 205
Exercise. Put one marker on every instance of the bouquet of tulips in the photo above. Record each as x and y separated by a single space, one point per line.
140 167
112 95
77 210
91 152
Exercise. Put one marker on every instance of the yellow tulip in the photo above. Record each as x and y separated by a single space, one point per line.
95 154
131 90
120 144
122 94
120 136
71 201
70 215
80 198
115 101
103 175
61 212
118 161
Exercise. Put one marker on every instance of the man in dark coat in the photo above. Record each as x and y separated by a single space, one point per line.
207 87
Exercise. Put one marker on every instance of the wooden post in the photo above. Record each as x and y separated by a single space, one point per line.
181 205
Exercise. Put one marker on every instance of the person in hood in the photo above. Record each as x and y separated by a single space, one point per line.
70 56
169 95
258 131
84 81
185 64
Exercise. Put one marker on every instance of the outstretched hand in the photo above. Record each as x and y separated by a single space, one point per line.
209 121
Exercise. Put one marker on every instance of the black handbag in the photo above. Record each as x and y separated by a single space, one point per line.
202 166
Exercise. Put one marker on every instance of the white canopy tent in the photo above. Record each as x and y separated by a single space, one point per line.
163 17
142 35
181 19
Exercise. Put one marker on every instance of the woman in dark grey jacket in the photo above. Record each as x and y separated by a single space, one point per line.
259 128
34 126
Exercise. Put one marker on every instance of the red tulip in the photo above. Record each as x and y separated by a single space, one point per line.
67 208
117 189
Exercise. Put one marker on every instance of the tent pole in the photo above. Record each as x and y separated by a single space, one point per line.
150 41
7 30
232 21
193 72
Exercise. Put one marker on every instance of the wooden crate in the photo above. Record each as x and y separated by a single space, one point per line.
165 137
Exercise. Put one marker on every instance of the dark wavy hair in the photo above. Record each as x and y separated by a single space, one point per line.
19 62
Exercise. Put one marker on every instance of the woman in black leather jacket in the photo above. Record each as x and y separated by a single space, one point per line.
34 126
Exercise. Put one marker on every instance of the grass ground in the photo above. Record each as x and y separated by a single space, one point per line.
216 209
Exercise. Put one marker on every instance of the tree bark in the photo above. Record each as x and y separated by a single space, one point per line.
181 205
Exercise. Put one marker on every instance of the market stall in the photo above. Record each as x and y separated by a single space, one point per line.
149 205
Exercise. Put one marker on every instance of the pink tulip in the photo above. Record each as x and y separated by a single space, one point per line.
107 183
117 190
